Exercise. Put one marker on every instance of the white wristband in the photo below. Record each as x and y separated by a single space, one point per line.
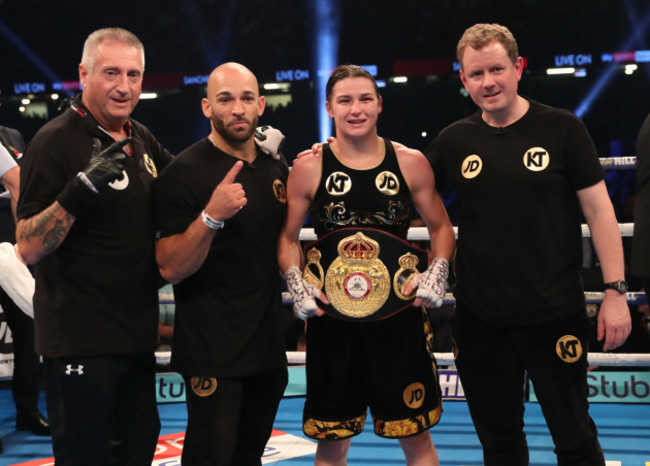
210 222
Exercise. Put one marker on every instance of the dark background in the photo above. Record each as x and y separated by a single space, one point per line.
41 40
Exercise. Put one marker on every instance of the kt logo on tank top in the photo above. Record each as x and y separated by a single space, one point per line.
338 184
536 159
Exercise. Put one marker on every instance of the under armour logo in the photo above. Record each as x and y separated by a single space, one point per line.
78 370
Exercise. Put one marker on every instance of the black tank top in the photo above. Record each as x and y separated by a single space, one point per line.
377 197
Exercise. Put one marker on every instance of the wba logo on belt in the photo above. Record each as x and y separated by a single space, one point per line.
363 271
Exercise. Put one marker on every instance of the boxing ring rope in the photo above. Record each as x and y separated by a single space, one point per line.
447 359
421 233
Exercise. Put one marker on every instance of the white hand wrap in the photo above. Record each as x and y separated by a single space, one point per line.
270 140
432 282
303 294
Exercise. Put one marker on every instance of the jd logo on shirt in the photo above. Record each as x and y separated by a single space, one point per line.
471 166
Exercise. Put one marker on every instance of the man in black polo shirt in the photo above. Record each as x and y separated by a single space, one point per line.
85 221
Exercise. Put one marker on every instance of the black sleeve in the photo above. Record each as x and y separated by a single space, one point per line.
583 167
175 204
434 154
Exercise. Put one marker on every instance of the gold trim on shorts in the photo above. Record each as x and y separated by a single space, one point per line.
408 427
333 430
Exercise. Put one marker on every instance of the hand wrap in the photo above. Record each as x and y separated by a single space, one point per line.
432 282
270 140
303 294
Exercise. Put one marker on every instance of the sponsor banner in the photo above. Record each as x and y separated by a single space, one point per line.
281 446
6 349
450 385
615 387
604 386
170 386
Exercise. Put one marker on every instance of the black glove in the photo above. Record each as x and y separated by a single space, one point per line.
104 167
107 165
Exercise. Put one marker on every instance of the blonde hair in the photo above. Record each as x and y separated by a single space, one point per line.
479 35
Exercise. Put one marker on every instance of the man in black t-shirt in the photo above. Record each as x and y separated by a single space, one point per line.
85 220
219 207
524 174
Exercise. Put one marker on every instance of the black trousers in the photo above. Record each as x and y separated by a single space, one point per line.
491 363
102 409
27 367
231 419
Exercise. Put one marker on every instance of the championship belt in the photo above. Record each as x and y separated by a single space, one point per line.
363 271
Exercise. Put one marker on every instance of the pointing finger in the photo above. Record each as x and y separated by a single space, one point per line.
232 174
121 143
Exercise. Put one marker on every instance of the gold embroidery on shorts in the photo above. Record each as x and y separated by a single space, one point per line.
409 426
332 430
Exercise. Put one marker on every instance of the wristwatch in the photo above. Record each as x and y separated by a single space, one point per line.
619 285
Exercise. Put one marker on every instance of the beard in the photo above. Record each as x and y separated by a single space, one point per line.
238 135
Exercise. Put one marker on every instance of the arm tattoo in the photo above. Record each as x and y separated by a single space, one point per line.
48 228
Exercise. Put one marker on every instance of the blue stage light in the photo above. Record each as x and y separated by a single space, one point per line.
326 18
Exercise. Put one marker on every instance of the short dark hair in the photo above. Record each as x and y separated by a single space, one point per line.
348 71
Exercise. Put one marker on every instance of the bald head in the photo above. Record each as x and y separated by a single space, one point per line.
231 73
233 104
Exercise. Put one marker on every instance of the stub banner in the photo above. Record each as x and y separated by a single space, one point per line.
6 349
281 446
